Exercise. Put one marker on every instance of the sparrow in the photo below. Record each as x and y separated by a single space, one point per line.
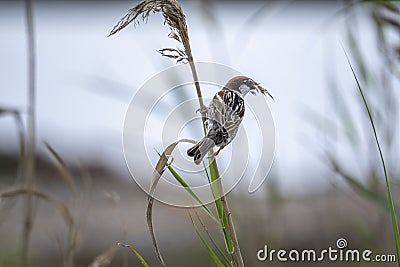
224 115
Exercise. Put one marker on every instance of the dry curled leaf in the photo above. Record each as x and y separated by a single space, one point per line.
158 171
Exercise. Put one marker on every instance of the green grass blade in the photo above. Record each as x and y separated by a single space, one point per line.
209 249
392 211
226 260
140 258
190 191
220 210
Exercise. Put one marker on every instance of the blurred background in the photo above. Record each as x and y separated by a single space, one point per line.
326 181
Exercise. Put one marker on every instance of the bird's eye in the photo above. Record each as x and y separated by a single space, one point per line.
249 83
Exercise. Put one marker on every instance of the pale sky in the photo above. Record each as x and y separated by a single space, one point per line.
86 80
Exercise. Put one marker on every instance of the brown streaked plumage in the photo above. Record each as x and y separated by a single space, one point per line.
224 115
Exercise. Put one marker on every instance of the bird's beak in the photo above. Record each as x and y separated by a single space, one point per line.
263 91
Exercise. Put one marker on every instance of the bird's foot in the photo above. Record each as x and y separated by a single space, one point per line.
214 154
206 124
203 110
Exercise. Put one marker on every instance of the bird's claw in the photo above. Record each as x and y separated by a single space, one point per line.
214 154
206 124
203 110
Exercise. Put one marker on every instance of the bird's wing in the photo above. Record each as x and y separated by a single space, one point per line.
227 109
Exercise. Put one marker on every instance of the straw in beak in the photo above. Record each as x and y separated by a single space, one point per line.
262 90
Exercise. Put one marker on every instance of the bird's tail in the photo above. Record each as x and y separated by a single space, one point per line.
201 149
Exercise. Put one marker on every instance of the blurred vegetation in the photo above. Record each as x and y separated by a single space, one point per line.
94 221
351 129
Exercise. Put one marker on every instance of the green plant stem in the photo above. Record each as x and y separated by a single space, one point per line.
30 161
209 249
227 261
226 210
237 253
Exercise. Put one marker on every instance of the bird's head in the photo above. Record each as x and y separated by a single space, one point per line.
245 84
